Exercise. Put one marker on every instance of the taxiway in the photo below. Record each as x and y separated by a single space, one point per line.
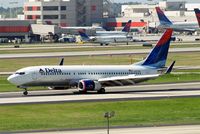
92 53
185 129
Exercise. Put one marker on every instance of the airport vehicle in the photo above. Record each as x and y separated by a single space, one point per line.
124 31
95 77
104 39
176 26
197 13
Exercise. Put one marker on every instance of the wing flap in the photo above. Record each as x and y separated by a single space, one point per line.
126 80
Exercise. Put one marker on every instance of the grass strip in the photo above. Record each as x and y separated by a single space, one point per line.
182 59
87 115
77 48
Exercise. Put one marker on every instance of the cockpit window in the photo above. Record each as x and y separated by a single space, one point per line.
20 73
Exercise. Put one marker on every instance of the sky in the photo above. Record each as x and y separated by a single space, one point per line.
5 3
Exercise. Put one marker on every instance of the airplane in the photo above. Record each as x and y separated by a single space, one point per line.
176 26
197 13
124 31
85 28
104 39
96 77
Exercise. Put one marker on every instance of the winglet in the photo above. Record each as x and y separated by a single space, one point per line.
197 12
169 69
62 62
127 27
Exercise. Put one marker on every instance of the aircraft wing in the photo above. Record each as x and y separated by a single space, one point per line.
126 80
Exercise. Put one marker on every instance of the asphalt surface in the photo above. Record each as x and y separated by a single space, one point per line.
92 53
185 129
139 92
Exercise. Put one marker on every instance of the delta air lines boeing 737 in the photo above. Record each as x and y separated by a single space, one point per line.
95 77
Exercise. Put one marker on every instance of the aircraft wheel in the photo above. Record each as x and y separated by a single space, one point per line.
101 91
25 92
83 92
101 44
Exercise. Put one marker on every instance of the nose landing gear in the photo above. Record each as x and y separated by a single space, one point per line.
25 90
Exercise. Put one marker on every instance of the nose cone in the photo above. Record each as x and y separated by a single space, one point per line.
12 79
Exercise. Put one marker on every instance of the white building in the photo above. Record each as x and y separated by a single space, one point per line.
175 11
64 12
191 6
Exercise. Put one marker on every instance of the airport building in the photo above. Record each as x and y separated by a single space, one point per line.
64 12
11 29
175 11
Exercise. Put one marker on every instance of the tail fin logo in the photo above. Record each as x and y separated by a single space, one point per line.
197 12
158 56
83 35
165 38
127 26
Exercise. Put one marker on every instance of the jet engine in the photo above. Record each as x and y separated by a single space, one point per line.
89 85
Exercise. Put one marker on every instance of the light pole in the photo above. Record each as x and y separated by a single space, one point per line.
12 3
109 115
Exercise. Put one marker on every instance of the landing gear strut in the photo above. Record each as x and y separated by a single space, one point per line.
101 91
25 92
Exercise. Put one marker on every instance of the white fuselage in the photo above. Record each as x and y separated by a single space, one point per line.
110 33
183 26
68 76
112 39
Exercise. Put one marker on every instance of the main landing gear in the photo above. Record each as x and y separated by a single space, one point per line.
101 91
25 92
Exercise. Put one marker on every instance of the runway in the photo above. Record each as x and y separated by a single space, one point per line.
92 53
139 92
185 129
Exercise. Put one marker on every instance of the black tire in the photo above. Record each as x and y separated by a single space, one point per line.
83 92
25 93
101 91
101 44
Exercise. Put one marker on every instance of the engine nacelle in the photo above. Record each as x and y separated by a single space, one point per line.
89 85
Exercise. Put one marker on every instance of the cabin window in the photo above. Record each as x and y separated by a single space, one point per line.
20 73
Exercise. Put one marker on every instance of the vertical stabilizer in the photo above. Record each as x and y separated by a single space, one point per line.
127 27
162 18
83 35
197 12
158 56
